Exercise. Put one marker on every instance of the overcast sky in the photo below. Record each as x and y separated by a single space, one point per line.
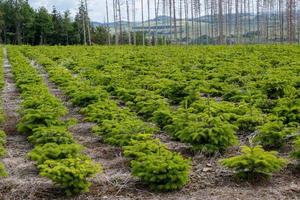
97 9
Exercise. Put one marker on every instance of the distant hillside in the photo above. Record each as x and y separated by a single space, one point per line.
163 23
166 19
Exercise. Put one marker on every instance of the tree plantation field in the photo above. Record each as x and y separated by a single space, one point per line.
164 122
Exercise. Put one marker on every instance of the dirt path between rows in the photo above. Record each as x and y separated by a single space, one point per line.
23 181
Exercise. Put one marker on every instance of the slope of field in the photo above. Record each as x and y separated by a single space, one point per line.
157 107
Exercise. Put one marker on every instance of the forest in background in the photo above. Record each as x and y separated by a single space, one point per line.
21 24
153 22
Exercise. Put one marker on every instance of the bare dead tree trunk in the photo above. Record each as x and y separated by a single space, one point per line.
216 21
249 16
88 24
291 5
186 9
83 22
298 21
206 8
199 15
170 19
212 17
241 22
196 7
193 23
230 18
267 20
225 16
181 20
244 21
134 23
120 21
156 4
258 20
253 6
128 23
107 24
281 20
196 15
236 26
164 19
143 22
221 23
149 23
115 22
250 23
175 21
273 21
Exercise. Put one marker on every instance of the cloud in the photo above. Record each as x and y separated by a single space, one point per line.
61 5
97 8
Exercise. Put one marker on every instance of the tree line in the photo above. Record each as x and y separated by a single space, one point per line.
21 24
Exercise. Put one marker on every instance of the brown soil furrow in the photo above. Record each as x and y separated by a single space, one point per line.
23 179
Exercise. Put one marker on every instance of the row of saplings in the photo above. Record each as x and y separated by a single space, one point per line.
151 161
2 133
2 153
61 159
214 133
57 155
210 127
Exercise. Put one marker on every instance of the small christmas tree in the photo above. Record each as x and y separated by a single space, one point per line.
254 161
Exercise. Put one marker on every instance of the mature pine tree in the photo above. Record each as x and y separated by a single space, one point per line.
43 25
